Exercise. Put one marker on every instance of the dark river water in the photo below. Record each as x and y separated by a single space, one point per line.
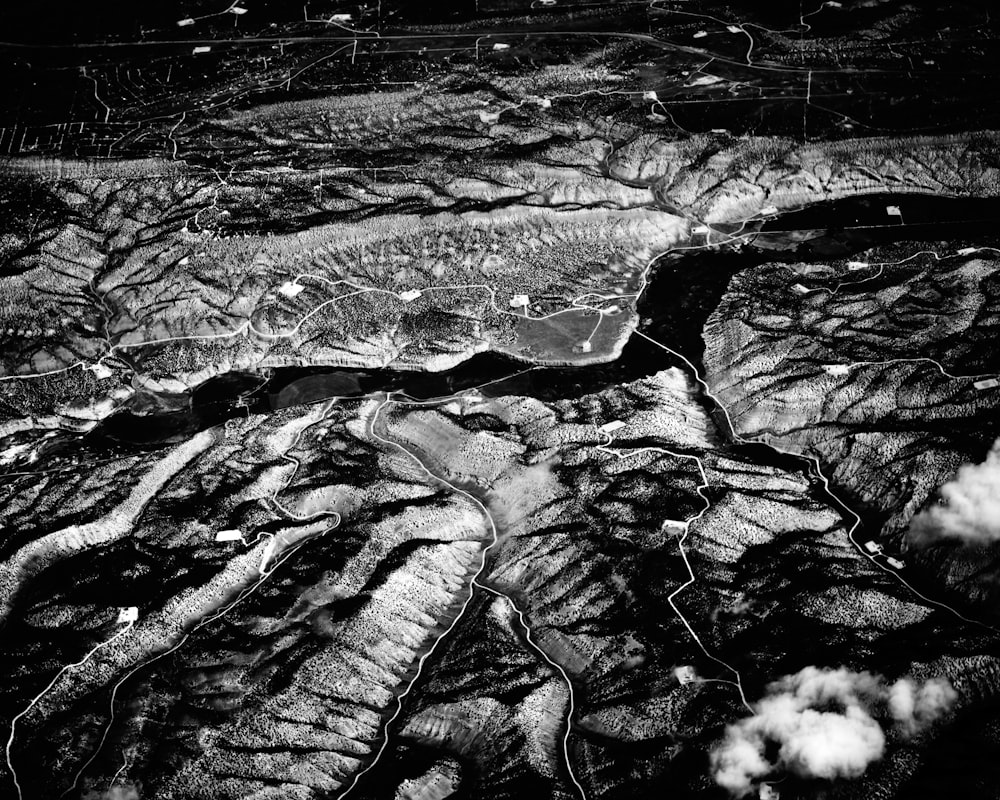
682 292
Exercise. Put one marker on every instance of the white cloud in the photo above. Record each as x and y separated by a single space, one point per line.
824 723
914 707
822 744
971 509
737 763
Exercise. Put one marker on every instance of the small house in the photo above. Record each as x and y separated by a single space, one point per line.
100 371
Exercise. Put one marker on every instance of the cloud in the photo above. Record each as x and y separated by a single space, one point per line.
915 707
737 763
824 724
127 792
971 509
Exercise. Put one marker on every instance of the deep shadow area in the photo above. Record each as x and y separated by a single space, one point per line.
965 759
841 227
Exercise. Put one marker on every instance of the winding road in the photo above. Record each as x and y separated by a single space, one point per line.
474 584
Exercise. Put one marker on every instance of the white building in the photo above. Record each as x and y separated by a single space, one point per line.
291 289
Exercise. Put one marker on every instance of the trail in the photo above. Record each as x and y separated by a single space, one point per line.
474 583
815 468
671 598
571 708
575 305
265 571
13 723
